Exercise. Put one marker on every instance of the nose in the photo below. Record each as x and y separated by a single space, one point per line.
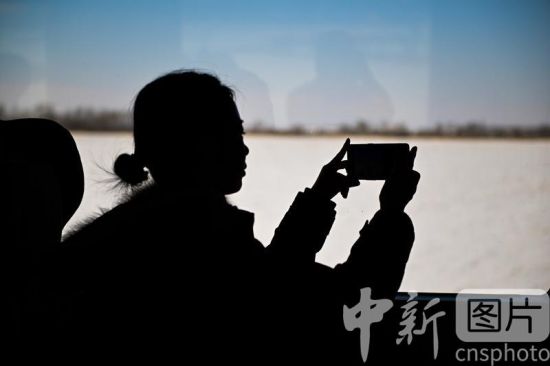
246 149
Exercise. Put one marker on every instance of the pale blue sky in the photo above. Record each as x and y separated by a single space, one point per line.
315 62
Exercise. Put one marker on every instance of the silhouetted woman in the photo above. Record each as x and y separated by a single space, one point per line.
176 270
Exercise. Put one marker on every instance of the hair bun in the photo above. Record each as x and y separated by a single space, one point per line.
130 169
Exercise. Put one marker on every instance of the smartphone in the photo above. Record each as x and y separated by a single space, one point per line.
375 161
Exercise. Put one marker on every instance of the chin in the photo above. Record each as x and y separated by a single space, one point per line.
233 187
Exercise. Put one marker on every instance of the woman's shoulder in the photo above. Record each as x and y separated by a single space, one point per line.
111 222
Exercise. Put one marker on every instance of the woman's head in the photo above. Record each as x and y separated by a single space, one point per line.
187 132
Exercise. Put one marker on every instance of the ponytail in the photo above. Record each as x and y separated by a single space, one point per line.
130 169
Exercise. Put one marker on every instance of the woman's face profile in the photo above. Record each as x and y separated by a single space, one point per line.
212 156
231 149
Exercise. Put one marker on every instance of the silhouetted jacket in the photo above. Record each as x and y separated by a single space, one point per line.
377 260
164 273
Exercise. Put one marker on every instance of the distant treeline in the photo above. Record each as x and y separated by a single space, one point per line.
468 129
81 118
90 119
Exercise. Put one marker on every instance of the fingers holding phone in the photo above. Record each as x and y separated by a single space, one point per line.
390 162
393 163
330 182
400 187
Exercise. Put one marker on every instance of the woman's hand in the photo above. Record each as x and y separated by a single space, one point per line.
400 188
330 182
